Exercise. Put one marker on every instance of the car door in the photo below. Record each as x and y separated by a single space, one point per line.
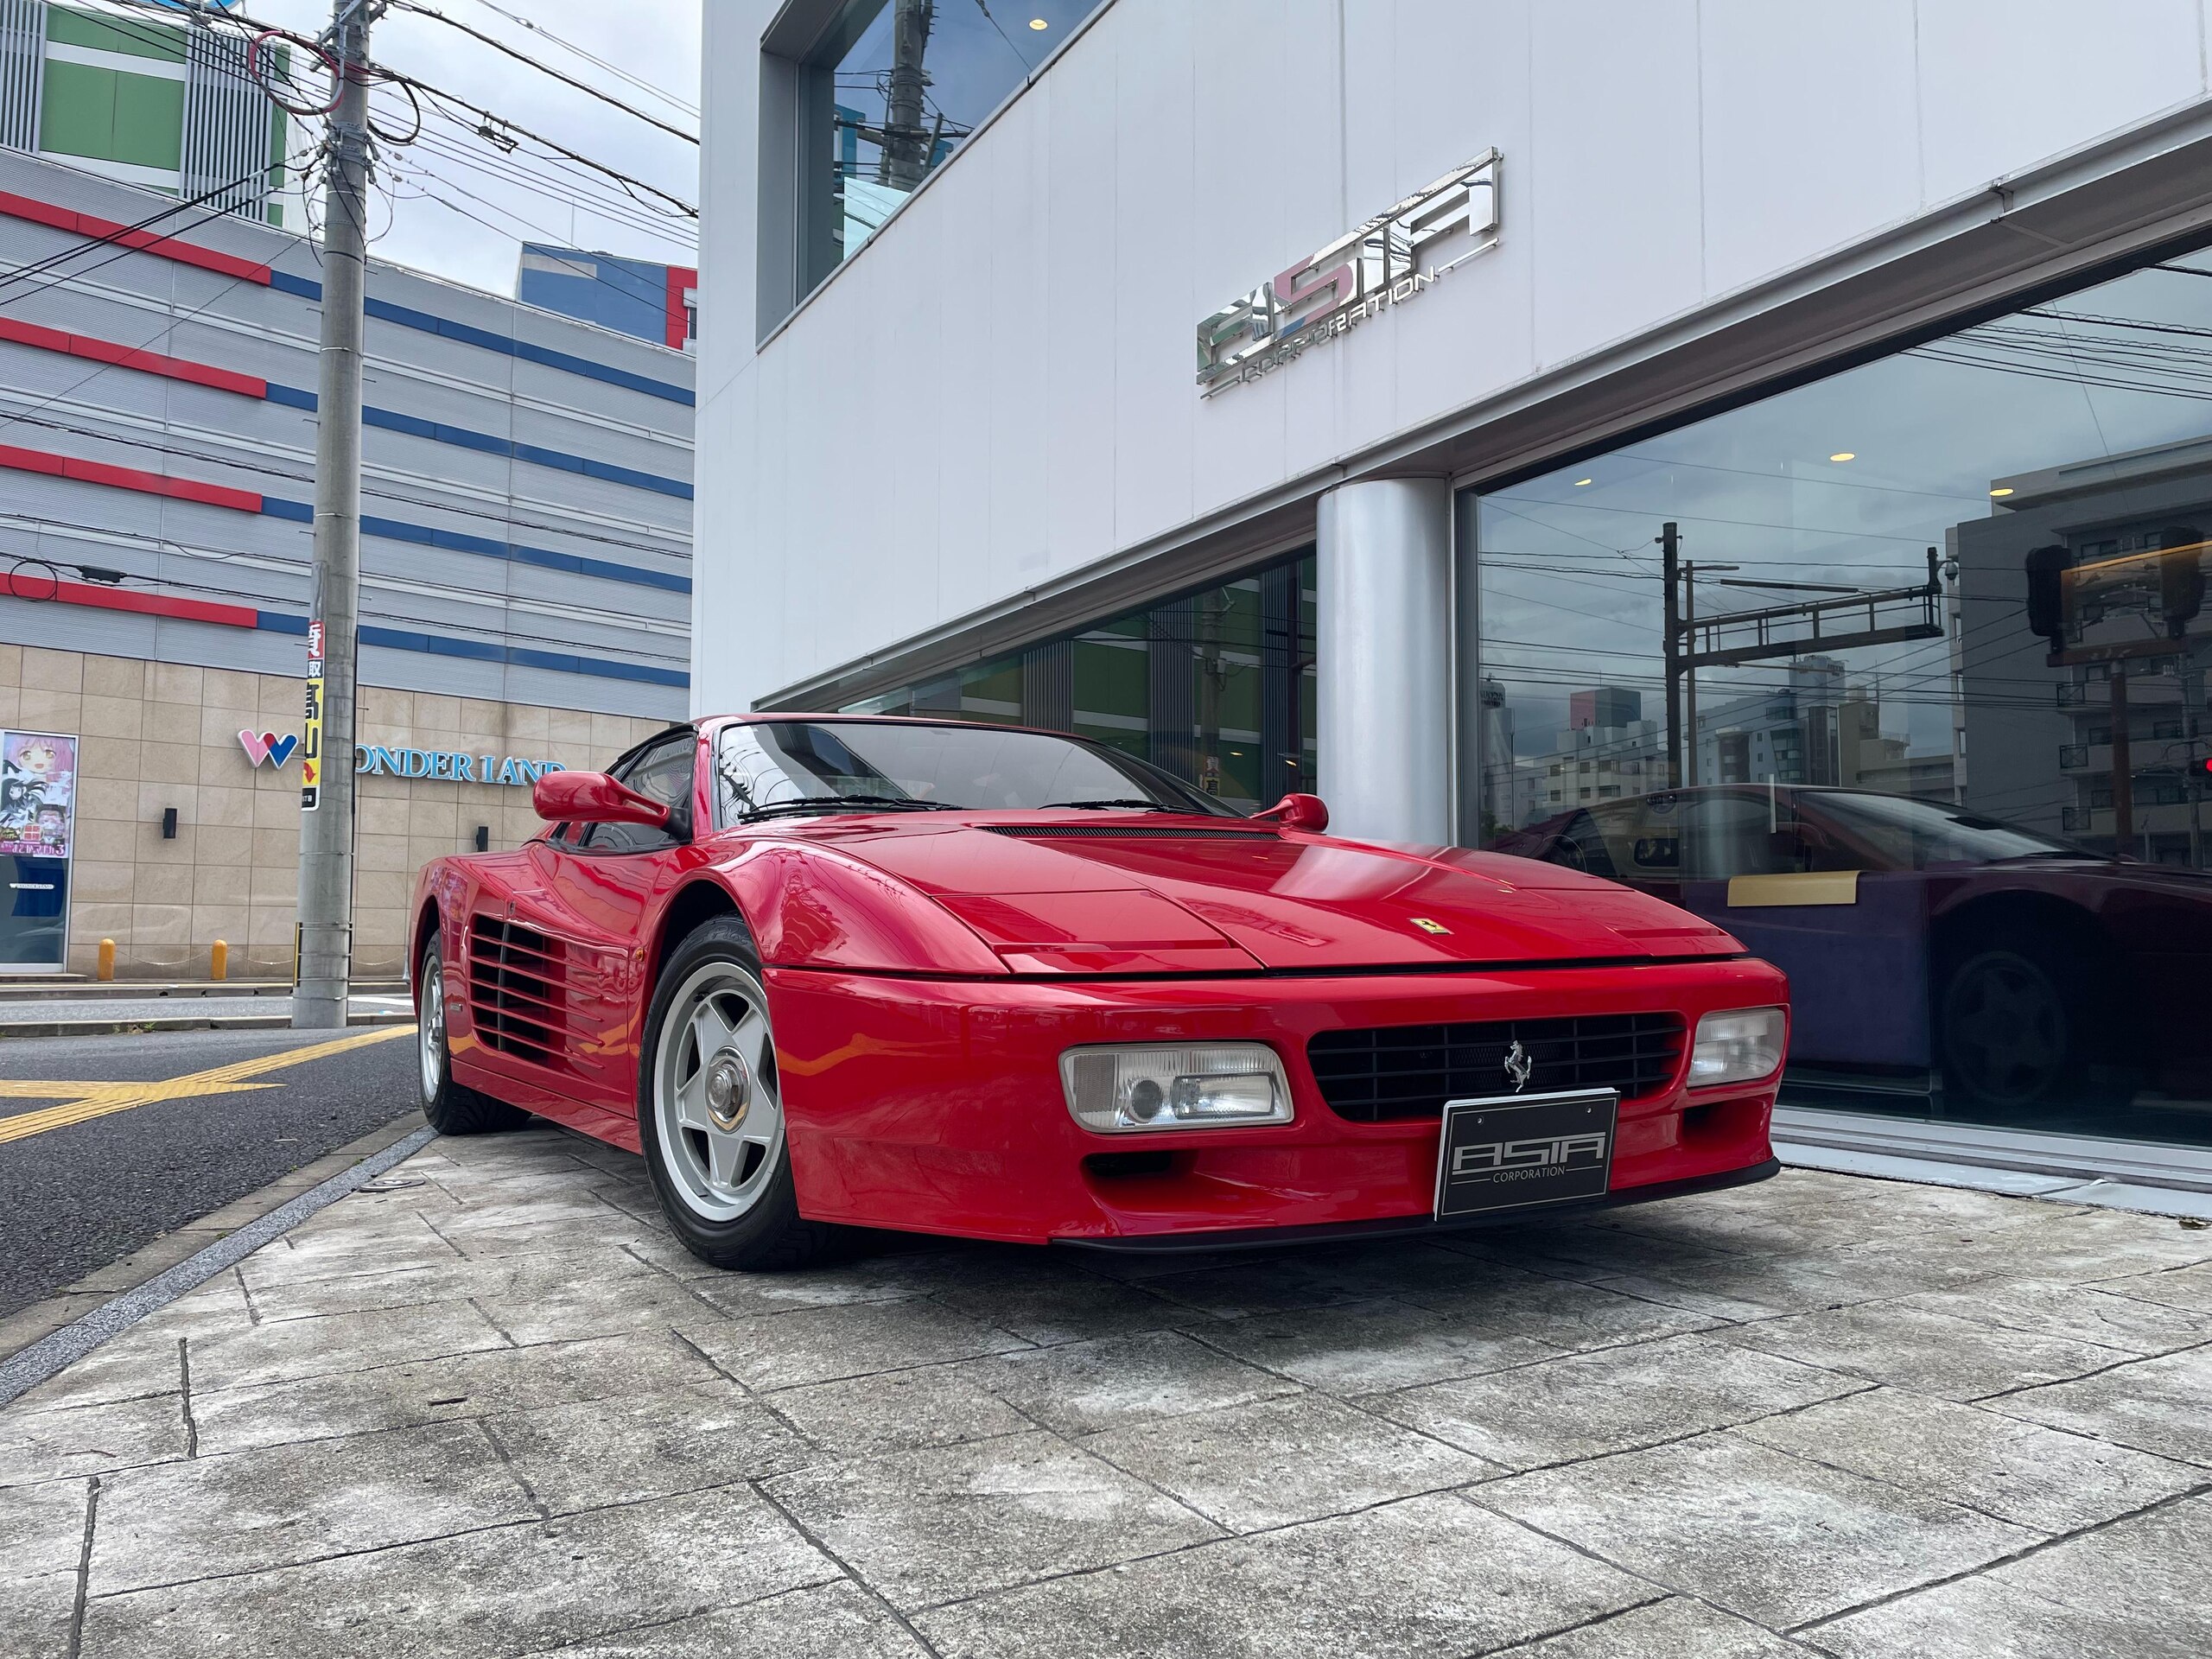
590 889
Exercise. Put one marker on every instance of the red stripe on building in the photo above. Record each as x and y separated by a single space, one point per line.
29 581
682 280
109 230
131 357
128 478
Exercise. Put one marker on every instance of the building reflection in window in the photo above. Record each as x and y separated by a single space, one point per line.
1924 720
891 89
1217 686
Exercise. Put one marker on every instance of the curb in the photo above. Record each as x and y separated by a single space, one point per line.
50 1354
184 1022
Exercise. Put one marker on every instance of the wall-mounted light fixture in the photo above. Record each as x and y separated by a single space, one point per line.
168 824
483 837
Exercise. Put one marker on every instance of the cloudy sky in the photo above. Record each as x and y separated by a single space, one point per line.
452 204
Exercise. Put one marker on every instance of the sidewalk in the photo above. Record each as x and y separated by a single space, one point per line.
487 1407
77 1012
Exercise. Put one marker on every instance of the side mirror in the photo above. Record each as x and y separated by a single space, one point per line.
593 797
1298 812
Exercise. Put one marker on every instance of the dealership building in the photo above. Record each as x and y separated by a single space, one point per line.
526 556
1761 453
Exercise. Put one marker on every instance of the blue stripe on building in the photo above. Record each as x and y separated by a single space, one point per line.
454 541
488 443
436 644
406 317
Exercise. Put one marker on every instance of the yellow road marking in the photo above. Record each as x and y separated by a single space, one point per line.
91 1100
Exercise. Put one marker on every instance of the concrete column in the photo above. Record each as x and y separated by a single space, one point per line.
1385 628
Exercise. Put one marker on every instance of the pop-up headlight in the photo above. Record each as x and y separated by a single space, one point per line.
1169 1086
1738 1045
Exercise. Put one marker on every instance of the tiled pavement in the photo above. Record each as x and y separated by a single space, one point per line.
487 1407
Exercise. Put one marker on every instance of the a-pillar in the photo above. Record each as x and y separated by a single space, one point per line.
1385 649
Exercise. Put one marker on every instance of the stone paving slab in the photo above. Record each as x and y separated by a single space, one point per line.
488 1407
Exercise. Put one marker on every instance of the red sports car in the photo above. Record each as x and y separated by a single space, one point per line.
1008 984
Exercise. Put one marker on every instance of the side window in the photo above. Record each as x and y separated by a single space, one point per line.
1739 834
663 774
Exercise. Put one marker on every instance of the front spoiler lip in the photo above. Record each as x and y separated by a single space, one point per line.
1259 1238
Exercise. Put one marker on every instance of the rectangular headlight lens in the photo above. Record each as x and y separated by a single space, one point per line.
1169 1086
1738 1045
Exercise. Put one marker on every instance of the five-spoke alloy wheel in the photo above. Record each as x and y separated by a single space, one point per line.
710 1109
715 1104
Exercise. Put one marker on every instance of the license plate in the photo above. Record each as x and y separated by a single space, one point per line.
1520 1150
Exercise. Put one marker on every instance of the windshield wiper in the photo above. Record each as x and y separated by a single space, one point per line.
1107 805
831 803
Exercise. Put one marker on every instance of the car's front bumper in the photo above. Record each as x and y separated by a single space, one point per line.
936 1105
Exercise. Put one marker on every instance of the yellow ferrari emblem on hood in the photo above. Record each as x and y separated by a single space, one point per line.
1428 927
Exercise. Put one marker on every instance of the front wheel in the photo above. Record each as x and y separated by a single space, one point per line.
2011 1029
710 1110
452 1108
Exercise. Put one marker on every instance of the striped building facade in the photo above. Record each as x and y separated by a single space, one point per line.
526 569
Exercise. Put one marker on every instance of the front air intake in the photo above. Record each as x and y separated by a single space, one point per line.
1392 1073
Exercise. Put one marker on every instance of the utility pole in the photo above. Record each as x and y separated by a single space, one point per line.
1670 554
326 913
906 143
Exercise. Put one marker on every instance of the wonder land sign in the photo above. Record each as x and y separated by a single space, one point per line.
445 766
1355 277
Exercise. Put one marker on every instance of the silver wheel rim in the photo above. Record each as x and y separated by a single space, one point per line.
717 1111
431 1043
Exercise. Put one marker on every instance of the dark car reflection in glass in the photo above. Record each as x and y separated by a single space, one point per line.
2033 975
1903 675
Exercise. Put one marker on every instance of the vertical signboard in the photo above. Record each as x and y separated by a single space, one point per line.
38 824
311 742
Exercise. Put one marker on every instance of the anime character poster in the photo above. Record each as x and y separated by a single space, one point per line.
38 794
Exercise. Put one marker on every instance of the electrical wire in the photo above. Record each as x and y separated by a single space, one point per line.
498 45
616 69
439 98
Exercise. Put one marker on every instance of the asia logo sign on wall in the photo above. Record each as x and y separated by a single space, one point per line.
38 794
1356 277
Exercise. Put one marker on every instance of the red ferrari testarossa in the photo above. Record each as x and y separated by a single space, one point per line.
1009 984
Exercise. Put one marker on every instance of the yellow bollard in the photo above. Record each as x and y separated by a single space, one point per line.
107 959
219 961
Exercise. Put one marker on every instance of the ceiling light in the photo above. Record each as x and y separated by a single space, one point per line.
2002 489
1038 22
1844 454
1579 482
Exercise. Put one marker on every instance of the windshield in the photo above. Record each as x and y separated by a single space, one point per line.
1912 834
782 764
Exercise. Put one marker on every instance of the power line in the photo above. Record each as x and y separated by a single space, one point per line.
500 45
440 98
597 61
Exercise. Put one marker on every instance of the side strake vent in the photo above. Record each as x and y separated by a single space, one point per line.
515 980
1121 832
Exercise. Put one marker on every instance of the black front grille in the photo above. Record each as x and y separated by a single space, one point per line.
1122 832
515 987
1400 1072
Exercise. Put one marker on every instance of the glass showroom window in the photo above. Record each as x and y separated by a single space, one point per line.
890 91
1923 718
1217 686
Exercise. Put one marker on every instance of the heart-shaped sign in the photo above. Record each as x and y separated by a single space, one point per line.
267 746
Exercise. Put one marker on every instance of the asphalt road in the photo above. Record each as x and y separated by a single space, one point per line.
77 1195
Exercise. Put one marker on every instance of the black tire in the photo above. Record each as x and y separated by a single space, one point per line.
452 1108
724 1181
2013 1021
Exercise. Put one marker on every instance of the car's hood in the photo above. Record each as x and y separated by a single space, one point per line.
1123 896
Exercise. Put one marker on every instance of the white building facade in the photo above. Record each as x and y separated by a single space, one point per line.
1712 346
